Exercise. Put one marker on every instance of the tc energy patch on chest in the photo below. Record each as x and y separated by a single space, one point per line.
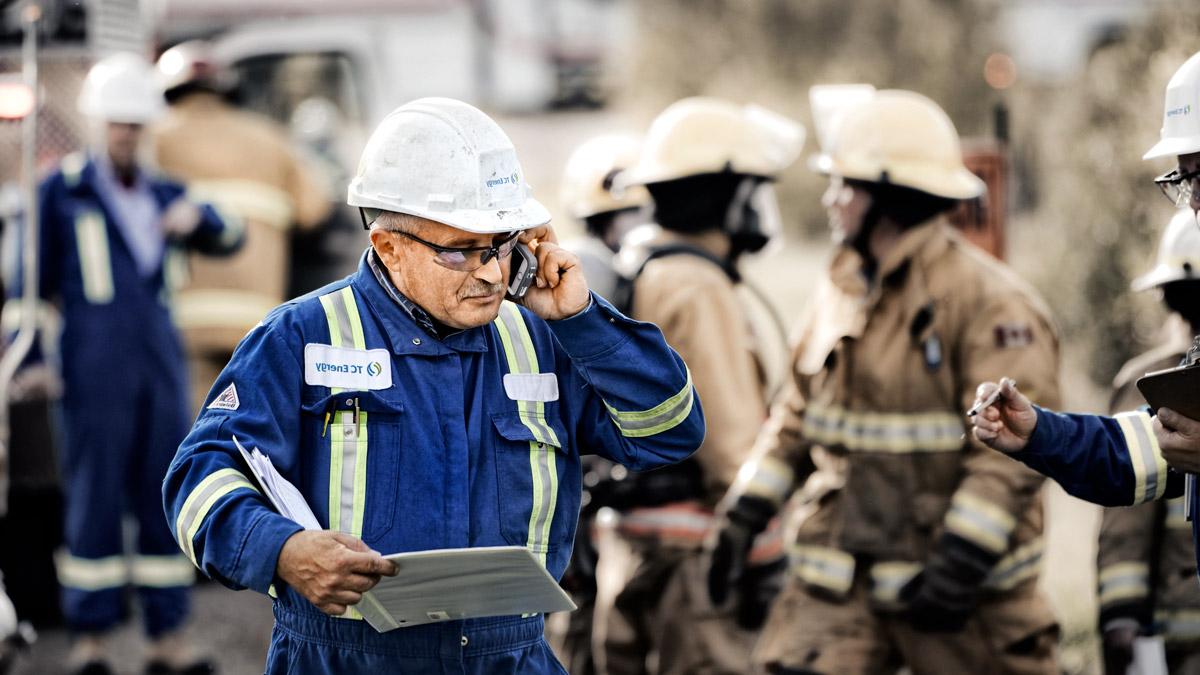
362 369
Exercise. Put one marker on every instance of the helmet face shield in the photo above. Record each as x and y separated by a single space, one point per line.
753 220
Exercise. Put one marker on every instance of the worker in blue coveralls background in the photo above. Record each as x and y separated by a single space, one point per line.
108 228
415 409
1140 455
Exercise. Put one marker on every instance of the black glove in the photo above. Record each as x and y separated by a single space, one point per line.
735 535
1118 646
756 591
942 597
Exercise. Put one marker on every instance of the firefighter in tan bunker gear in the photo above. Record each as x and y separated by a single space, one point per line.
1146 562
926 553
708 164
243 163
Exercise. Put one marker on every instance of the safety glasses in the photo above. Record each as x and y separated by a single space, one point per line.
466 259
1178 186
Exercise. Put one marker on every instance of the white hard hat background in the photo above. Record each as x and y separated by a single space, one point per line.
122 88
1178 253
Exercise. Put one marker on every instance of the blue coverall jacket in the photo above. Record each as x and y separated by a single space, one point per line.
125 406
1111 461
417 443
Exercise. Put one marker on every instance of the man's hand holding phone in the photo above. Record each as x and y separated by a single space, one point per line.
559 289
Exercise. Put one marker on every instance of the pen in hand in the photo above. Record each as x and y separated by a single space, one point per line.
991 399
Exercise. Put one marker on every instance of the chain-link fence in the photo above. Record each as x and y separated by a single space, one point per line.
61 129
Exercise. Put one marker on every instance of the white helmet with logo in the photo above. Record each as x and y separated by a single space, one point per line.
700 135
1178 254
900 138
122 88
587 188
1181 113
445 160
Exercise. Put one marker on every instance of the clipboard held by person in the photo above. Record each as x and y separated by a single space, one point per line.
1174 388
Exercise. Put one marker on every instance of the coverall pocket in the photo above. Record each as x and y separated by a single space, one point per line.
359 431
529 471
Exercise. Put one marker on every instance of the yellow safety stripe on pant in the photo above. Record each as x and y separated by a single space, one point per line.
251 199
900 433
662 417
768 478
1022 564
1178 625
980 522
522 359
1177 514
827 568
1149 467
91 574
348 441
91 241
888 578
162 571
201 500
1124 581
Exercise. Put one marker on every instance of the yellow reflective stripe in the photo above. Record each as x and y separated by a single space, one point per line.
201 500
662 417
1177 514
1021 564
980 522
162 571
821 566
1178 624
91 574
348 439
768 478
249 199
522 358
1124 581
888 578
884 432
91 240
1145 457
221 308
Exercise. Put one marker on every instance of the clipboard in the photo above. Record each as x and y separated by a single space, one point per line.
1174 388
461 583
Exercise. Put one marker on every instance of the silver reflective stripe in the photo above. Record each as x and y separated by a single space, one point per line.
91 574
91 242
663 417
1124 581
526 362
1145 457
1021 564
162 571
201 500
857 431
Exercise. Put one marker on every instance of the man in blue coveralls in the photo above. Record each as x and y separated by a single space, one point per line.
416 409
108 226
1136 456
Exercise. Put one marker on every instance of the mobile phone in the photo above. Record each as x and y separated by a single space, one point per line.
522 272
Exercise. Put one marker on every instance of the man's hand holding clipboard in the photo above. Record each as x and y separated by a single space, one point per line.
1174 396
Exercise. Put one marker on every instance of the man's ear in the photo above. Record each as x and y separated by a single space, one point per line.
385 245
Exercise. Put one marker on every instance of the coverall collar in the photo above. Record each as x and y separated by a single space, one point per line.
922 243
410 329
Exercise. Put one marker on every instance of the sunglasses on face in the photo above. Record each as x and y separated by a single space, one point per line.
466 259
1179 186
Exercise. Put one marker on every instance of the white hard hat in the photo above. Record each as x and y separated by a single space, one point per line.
900 138
191 62
699 135
122 88
587 187
445 160
1178 253
828 102
1181 113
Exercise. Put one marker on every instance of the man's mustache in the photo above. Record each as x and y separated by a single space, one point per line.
480 289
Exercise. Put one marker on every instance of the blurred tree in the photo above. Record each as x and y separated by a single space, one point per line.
1099 216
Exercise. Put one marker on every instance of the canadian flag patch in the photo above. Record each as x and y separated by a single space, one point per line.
1013 335
228 400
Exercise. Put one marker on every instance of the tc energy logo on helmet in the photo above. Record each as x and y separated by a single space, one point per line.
1181 110
360 369
514 179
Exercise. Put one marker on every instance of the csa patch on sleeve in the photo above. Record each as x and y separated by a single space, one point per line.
227 400
1013 335
361 369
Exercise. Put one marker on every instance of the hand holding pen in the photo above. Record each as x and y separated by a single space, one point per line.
1003 417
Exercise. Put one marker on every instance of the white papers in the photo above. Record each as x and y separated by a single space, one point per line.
284 496
461 583
1149 656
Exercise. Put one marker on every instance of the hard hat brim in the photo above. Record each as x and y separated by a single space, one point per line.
529 215
1159 276
954 184
1172 147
